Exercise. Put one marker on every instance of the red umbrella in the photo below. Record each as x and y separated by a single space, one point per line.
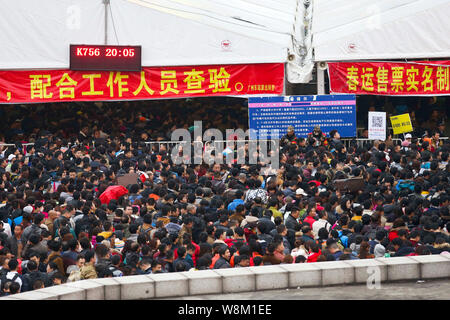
112 192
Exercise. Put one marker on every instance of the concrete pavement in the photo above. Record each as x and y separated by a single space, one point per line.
413 290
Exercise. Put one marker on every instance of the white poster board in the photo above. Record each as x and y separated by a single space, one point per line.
377 125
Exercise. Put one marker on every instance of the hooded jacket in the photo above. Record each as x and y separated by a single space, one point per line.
313 257
221 263
88 272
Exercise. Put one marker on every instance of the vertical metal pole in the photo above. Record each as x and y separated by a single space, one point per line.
320 80
106 3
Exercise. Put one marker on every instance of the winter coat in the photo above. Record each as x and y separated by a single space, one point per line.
88 272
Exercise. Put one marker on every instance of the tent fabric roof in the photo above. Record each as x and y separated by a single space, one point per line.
203 32
188 32
171 32
380 29
37 34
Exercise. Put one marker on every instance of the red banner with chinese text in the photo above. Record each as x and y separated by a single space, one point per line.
40 86
390 78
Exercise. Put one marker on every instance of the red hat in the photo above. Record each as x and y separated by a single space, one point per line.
317 183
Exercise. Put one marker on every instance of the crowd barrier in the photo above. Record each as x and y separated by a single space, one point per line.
360 142
13 144
169 144
346 141
250 279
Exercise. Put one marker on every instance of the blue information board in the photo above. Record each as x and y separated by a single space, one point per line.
304 113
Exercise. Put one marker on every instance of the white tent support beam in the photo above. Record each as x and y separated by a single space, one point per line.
320 79
106 3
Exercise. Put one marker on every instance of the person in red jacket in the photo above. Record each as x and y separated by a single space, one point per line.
414 238
398 224
216 255
244 251
188 239
238 237
310 216
314 252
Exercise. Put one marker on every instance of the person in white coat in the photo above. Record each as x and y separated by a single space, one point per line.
321 223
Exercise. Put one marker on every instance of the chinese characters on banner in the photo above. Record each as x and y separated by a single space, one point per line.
304 113
390 78
40 86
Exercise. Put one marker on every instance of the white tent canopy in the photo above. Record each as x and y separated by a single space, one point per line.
192 32
380 29
37 34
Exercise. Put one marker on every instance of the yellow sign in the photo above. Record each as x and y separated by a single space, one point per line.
401 123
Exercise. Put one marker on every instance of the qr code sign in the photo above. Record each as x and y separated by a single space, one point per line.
377 122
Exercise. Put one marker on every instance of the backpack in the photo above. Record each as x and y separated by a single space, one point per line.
371 233
218 186
54 257
145 231
343 239
34 230
405 184
233 242
115 271
30 278
102 266
4 280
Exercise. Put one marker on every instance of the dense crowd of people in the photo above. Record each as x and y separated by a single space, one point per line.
56 226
